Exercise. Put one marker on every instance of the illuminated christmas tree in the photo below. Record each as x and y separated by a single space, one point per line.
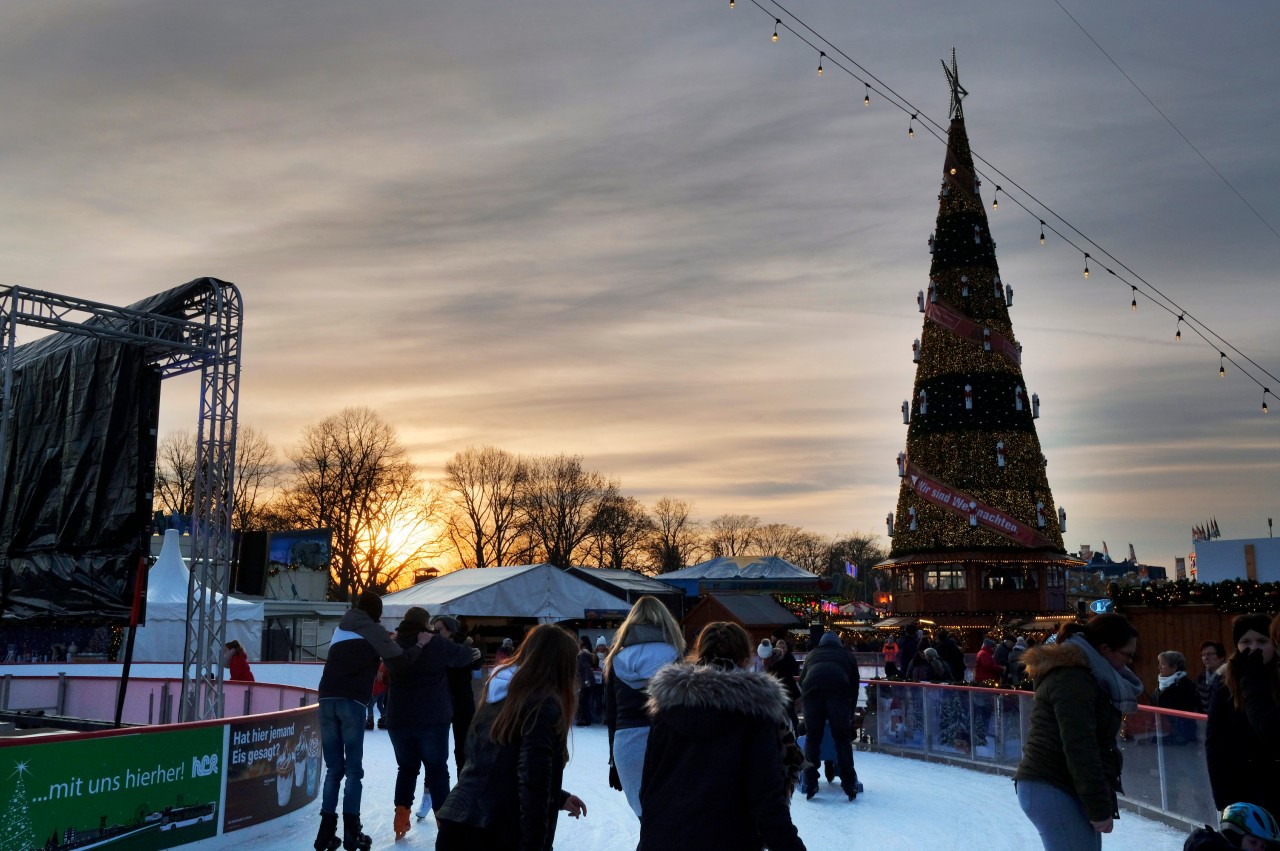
976 534
16 830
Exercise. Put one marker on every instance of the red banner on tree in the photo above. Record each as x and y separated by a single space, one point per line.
963 326
934 491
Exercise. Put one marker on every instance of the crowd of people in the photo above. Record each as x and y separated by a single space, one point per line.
707 744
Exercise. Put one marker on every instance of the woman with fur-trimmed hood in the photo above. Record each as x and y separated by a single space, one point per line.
721 761
1069 775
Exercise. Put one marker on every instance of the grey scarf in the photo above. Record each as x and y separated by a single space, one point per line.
1121 687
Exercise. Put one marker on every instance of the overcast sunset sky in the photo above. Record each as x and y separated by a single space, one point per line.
642 232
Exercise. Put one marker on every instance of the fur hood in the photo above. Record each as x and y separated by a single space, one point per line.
1044 658
698 687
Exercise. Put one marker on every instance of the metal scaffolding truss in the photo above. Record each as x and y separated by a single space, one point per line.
199 330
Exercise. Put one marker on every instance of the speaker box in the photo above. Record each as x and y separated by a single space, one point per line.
251 570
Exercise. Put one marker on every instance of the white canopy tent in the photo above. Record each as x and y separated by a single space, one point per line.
541 591
165 633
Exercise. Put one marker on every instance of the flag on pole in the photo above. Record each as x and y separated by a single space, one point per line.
1132 557
1216 533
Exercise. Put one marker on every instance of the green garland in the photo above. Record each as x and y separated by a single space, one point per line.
1229 595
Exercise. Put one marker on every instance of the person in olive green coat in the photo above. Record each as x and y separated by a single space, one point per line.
1069 775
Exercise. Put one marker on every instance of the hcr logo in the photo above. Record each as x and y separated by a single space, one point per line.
203 766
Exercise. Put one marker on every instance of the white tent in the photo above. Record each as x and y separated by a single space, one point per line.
164 636
541 591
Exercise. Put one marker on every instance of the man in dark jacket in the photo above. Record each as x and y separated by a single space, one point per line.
419 710
346 687
464 698
828 687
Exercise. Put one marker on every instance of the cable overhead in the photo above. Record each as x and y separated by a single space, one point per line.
834 57
1169 121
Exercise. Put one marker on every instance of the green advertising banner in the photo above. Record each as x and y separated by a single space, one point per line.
138 791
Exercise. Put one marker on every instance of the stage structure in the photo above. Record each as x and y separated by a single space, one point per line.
194 327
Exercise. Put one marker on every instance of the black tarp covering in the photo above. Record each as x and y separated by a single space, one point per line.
80 459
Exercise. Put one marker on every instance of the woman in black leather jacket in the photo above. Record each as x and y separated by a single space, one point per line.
508 796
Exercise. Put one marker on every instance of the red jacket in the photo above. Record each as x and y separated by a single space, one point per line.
985 668
239 664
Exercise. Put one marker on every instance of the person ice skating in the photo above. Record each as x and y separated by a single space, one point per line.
829 690
464 699
237 663
379 701
509 794
1069 776
1245 827
585 665
764 650
951 653
346 687
1242 738
721 762
419 712
505 651
782 664
648 639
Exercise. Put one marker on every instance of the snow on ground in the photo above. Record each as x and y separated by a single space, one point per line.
908 804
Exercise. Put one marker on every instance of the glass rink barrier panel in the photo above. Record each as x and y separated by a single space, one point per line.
1163 750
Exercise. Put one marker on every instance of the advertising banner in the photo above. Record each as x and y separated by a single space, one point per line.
273 767
945 496
136 792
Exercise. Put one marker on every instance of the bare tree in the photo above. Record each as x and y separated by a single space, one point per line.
674 540
559 500
857 548
733 535
800 547
175 473
257 471
617 537
480 490
352 475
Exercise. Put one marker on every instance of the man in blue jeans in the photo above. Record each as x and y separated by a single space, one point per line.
346 687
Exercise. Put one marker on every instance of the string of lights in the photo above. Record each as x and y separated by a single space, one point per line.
831 56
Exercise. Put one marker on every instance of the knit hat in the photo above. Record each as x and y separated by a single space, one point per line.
930 653
1021 642
765 650
449 622
371 604
988 642
829 639
507 642
1257 622
600 642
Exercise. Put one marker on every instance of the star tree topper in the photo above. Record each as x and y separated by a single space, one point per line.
957 91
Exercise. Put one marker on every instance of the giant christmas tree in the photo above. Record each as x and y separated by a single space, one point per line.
977 538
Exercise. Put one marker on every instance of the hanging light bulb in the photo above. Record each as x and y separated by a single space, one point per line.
1178 336
866 99
1222 367
1086 264
821 56
911 127
777 22
1265 391
1042 231
995 198
730 4
1133 305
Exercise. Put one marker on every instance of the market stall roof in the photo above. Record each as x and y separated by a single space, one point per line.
541 591
755 612
741 573
627 584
